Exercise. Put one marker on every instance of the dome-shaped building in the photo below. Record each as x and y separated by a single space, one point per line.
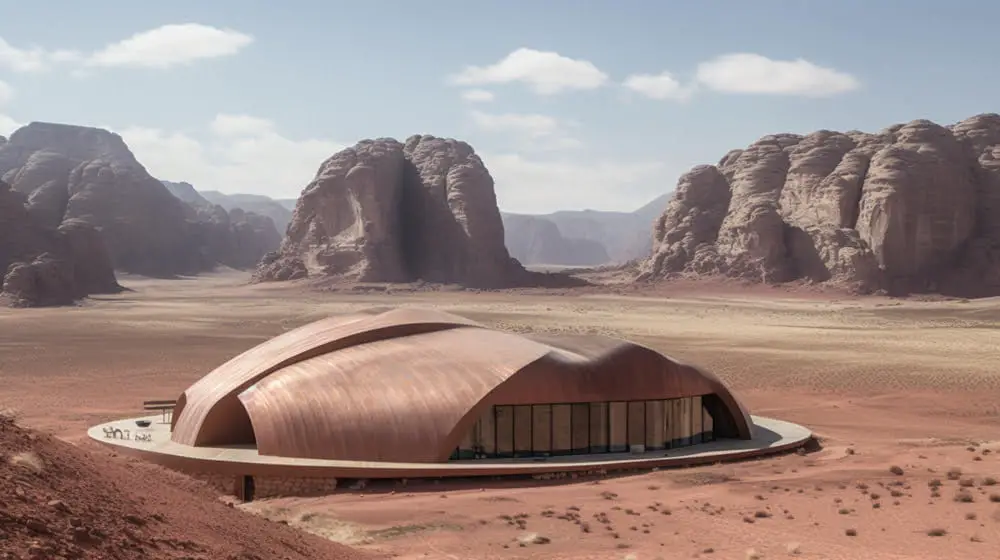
425 386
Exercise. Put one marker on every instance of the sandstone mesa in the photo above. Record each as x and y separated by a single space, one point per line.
914 208
389 211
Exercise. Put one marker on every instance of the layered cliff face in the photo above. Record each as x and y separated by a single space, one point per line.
386 211
915 207
87 174
42 265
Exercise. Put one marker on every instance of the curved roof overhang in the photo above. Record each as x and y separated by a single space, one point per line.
205 411
392 400
413 399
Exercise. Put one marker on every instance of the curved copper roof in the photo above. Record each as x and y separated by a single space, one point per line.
407 384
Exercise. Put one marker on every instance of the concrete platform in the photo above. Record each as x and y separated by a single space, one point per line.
770 437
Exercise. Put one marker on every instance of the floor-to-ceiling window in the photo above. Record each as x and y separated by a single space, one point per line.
505 431
541 427
562 429
599 427
618 427
542 430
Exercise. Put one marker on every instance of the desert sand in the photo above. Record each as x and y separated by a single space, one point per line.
883 383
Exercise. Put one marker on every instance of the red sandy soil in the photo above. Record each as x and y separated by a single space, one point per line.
882 382
804 503
58 501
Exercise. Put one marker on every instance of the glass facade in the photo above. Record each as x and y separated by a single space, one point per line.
545 430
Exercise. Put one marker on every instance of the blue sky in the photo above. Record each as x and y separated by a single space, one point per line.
251 96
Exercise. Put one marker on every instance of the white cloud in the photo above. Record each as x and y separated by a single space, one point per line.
8 125
658 86
756 74
527 124
239 153
163 47
34 59
533 131
6 92
545 72
170 45
240 125
477 96
538 186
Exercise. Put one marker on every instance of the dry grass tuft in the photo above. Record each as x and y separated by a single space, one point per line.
964 497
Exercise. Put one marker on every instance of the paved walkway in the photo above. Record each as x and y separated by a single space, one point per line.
770 436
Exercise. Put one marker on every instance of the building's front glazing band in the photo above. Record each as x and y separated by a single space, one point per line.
543 430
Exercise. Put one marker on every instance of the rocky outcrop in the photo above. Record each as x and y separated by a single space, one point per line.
41 265
537 240
186 193
258 204
691 222
913 208
236 239
386 211
229 236
88 174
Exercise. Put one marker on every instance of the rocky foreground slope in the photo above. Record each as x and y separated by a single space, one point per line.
390 211
89 175
914 208
59 501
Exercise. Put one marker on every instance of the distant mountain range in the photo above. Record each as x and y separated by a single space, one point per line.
566 238
582 237
280 211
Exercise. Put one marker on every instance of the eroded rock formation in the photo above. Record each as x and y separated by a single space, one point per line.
42 265
232 237
88 174
258 204
386 211
913 208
